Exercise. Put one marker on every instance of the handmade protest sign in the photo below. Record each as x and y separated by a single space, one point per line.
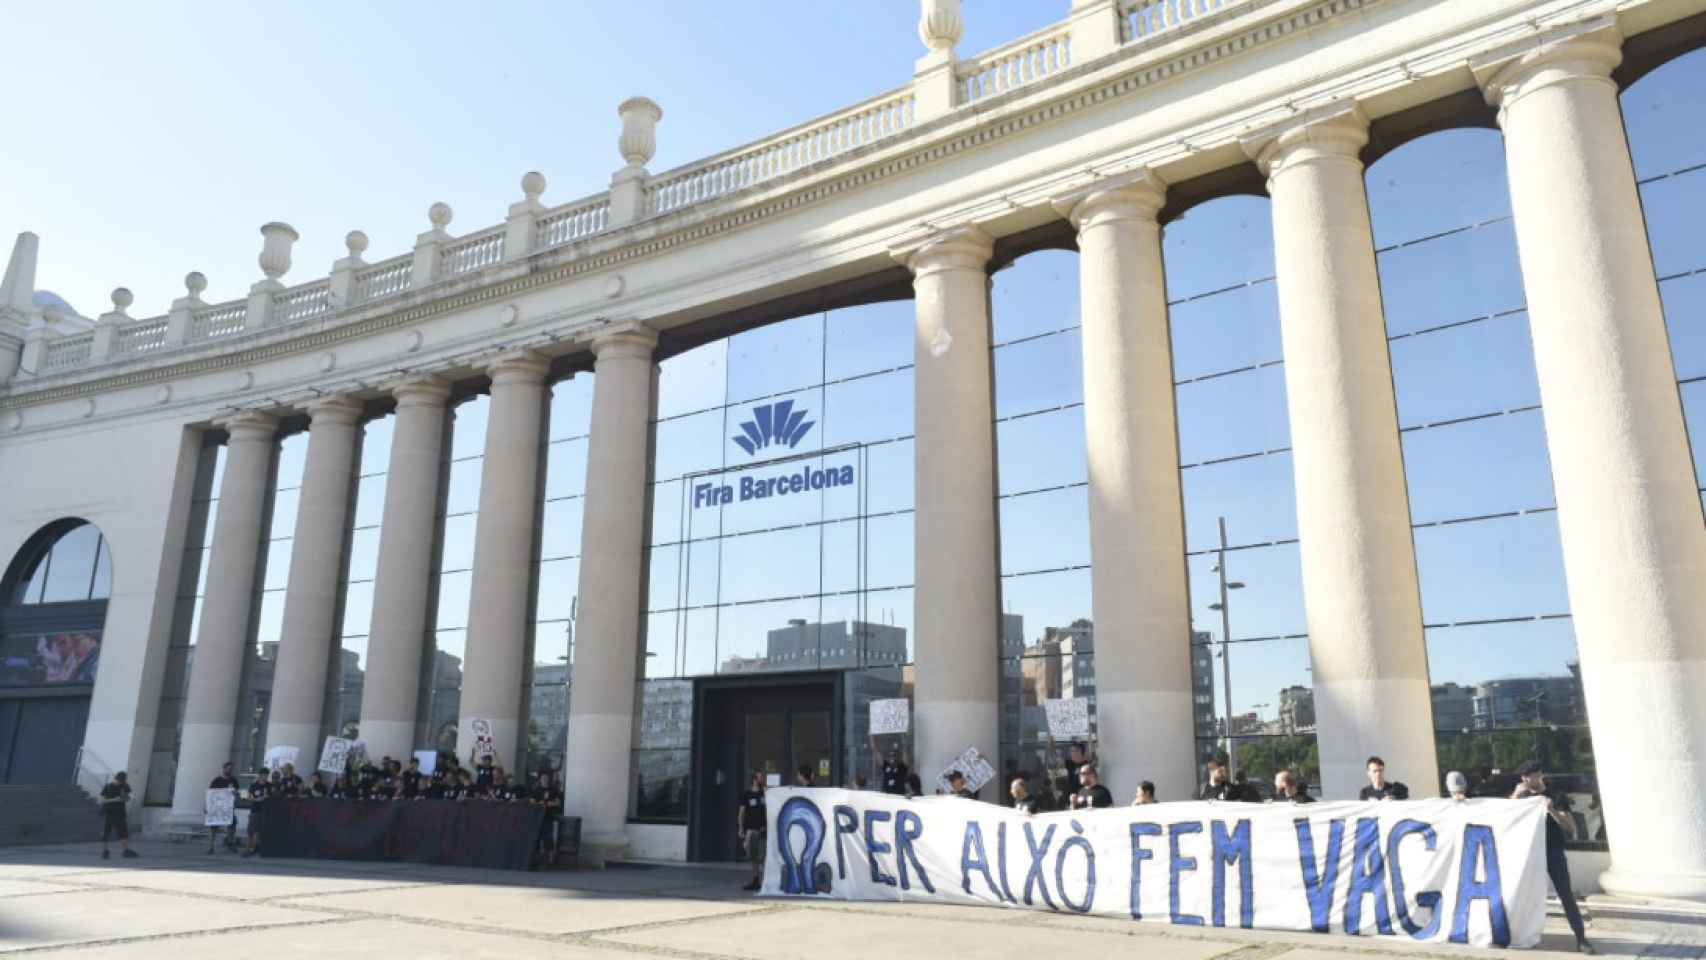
890 716
221 807
1068 718
972 766
334 755
1434 870
277 757
428 759
483 743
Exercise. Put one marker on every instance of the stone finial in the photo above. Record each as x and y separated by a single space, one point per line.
355 242
275 248
532 184
940 24
194 284
440 214
18 289
122 299
638 142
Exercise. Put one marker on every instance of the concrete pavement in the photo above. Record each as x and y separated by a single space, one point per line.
180 903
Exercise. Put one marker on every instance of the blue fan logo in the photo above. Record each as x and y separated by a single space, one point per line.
777 423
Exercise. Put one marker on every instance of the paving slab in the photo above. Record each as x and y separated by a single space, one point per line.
938 911
788 933
356 940
90 916
237 883
542 910
25 888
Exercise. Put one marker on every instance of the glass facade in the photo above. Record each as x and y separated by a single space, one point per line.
1506 684
1240 505
362 548
1042 483
781 524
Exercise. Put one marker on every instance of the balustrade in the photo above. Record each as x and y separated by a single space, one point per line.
472 253
144 336
302 303
220 321
1019 63
383 279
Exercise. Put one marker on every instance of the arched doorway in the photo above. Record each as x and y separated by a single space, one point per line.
54 605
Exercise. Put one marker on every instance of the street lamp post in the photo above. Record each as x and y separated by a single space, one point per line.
1226 646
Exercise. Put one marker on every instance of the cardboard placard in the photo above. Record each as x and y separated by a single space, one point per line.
890 716
428 759
1068 718
221 806
334 755
277 757
977 770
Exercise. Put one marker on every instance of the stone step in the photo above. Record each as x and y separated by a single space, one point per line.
47 813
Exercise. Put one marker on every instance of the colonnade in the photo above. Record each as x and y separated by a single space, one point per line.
1630 519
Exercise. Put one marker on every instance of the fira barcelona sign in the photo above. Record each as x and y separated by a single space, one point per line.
771 427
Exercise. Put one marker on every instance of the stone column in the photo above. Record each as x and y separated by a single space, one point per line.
956 595
398 636
1628 513
1361 595
1139 594
500 597
309 629
210 711
613 539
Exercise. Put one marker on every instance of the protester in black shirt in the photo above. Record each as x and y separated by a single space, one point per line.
114 819
1559 827
914 785
341 789
752 825
1380 788
484 773
1219 785
1075 761
1091 794
436 786
1020 791
227 780
259 791
894 774
412 779
317 785
957 786
1289 788
292 782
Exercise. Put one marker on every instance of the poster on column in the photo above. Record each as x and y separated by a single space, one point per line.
483 744
334 755
1470 872
890 716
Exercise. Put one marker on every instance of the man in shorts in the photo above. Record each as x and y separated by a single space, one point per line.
115 797
751 825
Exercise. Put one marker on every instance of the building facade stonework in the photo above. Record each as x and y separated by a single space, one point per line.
1332 360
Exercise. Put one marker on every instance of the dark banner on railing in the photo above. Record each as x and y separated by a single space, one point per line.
473 833
1436 870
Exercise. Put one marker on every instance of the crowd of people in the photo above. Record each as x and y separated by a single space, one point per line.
389 781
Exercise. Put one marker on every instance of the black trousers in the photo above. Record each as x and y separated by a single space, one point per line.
1558 869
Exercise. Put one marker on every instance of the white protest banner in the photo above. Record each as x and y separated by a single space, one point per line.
221 806
972 766
1068 718
334 755
277 757
428 759
483 744
890 716
1434 870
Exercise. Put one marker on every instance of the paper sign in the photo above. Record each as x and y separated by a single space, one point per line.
221 806
277 757
890 716
482 730
971 764
1068 718
772 779
823 768
428 759
334 755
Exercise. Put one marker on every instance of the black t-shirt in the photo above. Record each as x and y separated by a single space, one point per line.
1392 791
293 786
258 792
222 782
435 790
1027 805
483 776
1092 798
411 783
1302 797
894 778
1224 790
1555 835
317 789
114 796
1073 784
752 812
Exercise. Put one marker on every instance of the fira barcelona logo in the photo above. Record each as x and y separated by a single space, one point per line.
777 423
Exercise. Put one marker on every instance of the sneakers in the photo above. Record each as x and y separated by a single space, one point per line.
754 885
1584 945
248 853
130 854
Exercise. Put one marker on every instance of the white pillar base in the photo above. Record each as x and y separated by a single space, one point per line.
597 774
202 750
945 728
389 738
1146 735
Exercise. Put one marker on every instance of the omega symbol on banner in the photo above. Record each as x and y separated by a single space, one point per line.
802 874
777 423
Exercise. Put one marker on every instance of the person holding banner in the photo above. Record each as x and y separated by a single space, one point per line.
894 773
1145 794
1020 791
750 825
1380 788
1559 827
317 786
1091 795
1287 787
227 780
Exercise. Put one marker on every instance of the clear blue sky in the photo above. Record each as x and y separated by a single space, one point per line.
148 140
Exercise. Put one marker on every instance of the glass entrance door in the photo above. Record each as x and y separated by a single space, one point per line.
770 728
